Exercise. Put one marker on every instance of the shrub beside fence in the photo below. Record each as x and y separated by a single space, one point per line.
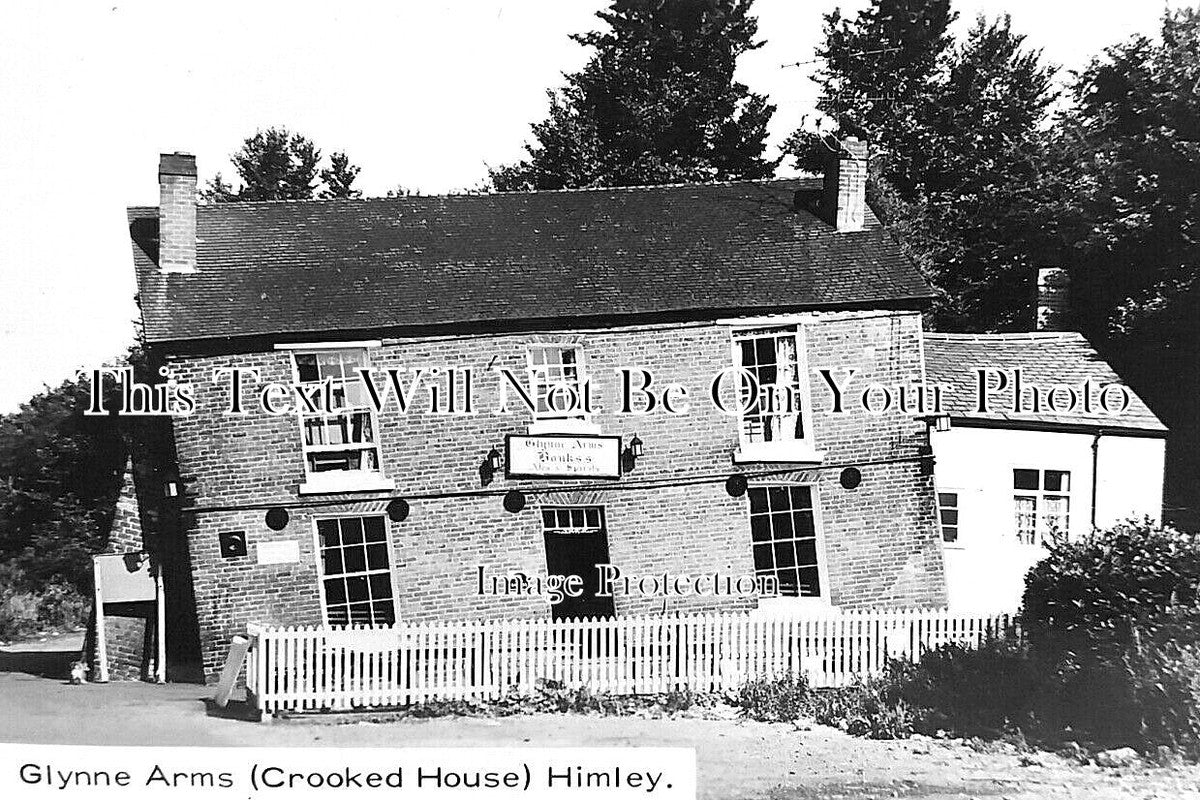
313 668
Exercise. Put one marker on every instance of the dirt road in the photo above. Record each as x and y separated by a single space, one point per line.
736 758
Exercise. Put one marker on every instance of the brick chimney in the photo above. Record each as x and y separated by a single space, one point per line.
177 212
1052 287
844 202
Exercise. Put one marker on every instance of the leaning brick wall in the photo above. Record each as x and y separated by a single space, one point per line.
879 539
128 627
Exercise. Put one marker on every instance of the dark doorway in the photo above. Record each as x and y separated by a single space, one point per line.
576 541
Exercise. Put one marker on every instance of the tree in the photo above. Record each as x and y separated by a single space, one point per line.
1128 153
60 472
984 198
339 176
956 132
880 81
1130 149
277 164
656 103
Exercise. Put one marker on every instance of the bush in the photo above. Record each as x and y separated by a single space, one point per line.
1165 687
25 610
1085 598
872 708
774 699
1115 621
972 691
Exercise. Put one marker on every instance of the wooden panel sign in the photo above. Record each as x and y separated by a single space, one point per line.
124 577
560 456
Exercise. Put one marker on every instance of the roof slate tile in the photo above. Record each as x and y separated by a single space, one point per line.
328 265
1045 359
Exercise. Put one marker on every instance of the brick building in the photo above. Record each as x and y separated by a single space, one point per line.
293 517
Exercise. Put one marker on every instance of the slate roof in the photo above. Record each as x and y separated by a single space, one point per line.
1045 359
554 257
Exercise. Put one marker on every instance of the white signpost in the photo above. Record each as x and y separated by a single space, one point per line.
557 456
129 578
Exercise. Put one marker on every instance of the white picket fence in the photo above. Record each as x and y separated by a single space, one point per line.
311 668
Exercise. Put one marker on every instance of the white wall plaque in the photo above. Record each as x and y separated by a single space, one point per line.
564 457
285 552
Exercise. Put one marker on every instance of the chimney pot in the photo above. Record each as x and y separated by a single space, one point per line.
1053 285
177 212
845 195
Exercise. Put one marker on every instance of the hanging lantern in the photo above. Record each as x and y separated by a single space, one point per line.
635 447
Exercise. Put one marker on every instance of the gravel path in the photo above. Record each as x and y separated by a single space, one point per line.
736 758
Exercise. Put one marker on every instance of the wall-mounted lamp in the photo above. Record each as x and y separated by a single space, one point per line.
490 465
937 422
633 451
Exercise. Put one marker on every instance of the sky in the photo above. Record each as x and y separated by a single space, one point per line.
421 94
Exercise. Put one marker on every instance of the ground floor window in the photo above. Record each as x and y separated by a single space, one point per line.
784 535
948 516
1041 504
356 576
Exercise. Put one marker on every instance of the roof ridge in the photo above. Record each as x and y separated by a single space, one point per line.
575 190
1008 335
646 186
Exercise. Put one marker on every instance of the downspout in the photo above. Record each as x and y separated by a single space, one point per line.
1095 468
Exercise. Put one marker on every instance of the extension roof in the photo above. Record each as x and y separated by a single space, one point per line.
556 258
1045 359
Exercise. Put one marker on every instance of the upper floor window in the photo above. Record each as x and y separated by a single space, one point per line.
557 377
1041 504
343 437
771 358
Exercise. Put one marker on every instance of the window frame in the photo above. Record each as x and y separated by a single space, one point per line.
320 562
1040 496
823 599
957 542
551 417
337 480
801 450
602 527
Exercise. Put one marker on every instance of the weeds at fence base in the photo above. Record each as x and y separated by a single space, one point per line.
550 697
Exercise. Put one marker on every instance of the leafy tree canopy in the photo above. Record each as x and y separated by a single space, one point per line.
656 103
276 164
956 131
60 472
1129 150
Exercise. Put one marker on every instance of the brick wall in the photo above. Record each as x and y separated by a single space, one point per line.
879 539
128 627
